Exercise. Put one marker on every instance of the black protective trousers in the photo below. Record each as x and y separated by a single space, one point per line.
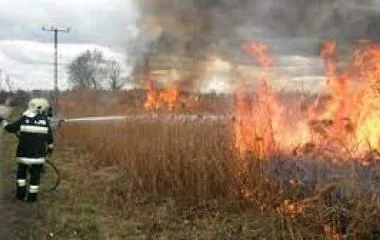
23 190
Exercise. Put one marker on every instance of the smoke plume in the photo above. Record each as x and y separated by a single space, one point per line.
197 28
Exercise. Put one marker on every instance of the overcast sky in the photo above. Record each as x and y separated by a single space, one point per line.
26 52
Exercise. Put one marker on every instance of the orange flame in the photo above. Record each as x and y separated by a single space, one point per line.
260 52
292 208
366 110
260 120
254 125
151 102
350 117
328 55
169 97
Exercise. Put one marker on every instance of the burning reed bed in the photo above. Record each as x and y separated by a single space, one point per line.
273 170
194 165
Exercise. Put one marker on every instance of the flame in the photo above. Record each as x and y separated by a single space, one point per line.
169 97
328 55
344 117
338 107
253 126
292 208
366 113
151 102
262 125
260 52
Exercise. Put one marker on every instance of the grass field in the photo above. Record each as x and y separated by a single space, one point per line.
183 179
163 177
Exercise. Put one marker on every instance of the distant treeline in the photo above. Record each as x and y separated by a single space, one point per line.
20 98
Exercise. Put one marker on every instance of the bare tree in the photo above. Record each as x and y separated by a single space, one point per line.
98 65
88 70
114 75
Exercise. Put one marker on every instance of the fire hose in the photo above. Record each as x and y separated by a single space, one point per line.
58 180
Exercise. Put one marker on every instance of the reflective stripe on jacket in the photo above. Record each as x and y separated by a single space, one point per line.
35 136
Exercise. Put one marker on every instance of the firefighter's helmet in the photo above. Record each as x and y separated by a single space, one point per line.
38 105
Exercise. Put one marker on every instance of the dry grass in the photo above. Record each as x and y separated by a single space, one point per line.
76 104
163 179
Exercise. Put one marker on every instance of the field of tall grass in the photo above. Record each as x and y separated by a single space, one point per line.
182 178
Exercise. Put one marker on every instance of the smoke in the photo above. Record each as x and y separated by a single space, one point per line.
196 29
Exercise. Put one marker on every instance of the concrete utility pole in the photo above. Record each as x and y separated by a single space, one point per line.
9 83
56 30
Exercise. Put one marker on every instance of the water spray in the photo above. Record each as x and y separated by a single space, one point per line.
144 117
94 119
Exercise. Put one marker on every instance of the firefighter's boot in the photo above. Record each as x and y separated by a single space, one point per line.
32 197
32 194
21 189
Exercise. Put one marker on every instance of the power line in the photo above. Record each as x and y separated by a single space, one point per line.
56 30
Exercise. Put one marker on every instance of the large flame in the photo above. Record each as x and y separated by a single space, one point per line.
165 99
169 97
151 102
366 109
260 128
253 128
345 116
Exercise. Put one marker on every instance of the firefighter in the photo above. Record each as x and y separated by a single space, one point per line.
35 143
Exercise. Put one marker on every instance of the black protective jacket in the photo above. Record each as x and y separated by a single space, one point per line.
35 137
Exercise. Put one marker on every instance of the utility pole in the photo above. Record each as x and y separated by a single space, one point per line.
56 30
9 83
